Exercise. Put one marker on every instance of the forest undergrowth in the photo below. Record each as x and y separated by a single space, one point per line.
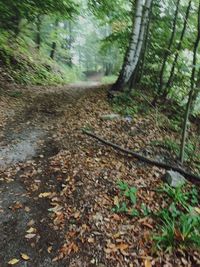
80 203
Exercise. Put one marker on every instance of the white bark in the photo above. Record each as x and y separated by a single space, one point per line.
137 38
134 40
135 46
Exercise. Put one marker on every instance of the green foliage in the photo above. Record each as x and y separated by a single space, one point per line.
179 196
129 196
174 147
145 210
181 231
33 68
128 192
15 94
109 79
128 200
125 105
179 223
12 12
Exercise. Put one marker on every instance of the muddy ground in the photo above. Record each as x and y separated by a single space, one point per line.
28 138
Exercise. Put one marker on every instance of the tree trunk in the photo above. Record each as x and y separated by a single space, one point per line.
138 73
69 61
170 80
168 50
192 91
128 65
38 30
53 50
53 46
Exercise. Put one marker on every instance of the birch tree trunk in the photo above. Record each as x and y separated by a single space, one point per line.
192 91
138 72
136 42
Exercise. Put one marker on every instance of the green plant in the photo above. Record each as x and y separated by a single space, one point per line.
15 94
181 230
174 147
125 105
109 79
177 195
145 210
129 192
128 200
120 208
165 240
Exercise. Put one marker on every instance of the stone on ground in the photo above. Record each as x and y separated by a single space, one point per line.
174 179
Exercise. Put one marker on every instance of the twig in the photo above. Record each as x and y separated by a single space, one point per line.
189 176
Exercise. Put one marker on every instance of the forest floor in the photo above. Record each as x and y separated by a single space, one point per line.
58 186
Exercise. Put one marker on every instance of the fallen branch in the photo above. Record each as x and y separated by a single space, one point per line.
189 176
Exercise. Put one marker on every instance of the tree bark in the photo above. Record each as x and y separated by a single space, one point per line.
38 32
192 91
138 73
69 44
179 46
53 46
134 49
168 50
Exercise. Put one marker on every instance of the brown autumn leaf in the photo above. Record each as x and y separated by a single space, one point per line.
77 214
90 240
147 263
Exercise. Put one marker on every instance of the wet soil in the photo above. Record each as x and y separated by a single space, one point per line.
26 142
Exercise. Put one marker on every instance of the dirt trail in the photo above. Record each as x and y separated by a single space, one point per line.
26 146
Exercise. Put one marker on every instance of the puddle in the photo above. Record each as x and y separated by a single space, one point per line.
23 146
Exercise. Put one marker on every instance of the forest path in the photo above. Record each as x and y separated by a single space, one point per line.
29 138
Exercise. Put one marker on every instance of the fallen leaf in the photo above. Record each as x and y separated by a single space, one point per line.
90 240
116 201
13 261
29 236
49 249
147 263
122 246
25 256
31 230
31 222
45 194
77 214
27 209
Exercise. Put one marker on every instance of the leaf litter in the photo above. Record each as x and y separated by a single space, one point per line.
76 188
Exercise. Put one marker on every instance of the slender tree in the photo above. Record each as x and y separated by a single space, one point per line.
192 90
178 49
167 51
53 46
38 31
